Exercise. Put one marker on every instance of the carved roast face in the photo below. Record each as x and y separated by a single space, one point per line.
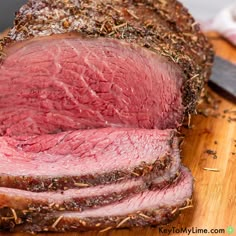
62 83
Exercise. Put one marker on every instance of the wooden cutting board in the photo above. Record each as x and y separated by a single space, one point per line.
215 192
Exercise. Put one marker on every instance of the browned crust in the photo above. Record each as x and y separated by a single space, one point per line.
163 26
41 184
15 221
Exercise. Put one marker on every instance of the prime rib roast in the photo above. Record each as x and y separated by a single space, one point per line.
92 96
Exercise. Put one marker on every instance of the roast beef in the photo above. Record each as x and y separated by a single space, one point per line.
61 83
148 208
91 96
78 199
101 82
88 157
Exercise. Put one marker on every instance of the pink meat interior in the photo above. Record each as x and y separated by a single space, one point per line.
55 84
172 195
86 152
17 198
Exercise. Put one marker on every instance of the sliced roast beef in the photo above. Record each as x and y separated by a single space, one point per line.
83 158
150 207
90 93
78 199
72 199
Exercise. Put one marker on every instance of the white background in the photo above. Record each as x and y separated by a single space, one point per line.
205 9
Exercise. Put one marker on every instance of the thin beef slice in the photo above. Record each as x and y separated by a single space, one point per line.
75 159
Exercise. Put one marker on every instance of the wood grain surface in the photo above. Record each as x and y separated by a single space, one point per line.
214 192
